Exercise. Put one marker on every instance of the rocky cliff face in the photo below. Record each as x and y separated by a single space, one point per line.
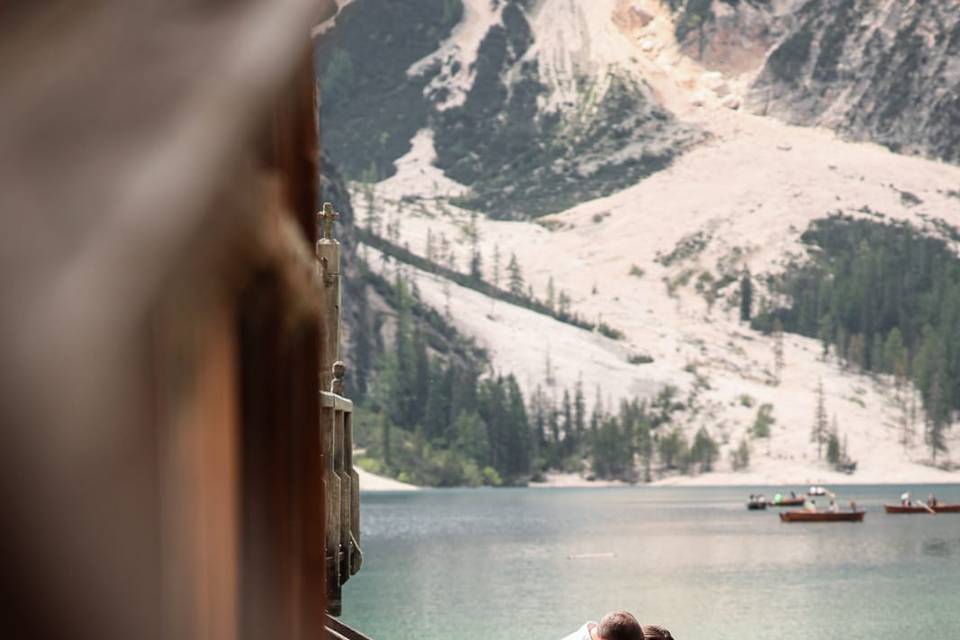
886 71
534 106
730 36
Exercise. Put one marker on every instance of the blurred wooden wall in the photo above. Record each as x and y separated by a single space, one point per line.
162 324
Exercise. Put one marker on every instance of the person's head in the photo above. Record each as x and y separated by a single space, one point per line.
619 625
655 632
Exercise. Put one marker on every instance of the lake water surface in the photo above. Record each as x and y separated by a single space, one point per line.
534 564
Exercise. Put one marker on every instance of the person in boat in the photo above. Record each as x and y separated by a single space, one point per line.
810 505
853 506
616 625
793 495
833 506
931 501
905 499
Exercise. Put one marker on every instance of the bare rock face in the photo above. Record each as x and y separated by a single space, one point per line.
731 36
887 71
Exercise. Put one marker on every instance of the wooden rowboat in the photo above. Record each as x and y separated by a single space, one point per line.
940 508
821 516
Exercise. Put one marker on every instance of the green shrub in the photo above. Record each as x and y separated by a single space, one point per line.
491 477
763 421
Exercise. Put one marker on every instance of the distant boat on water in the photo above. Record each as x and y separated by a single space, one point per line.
939 508
793 500
825 516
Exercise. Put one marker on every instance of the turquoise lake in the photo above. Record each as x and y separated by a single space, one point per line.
534 564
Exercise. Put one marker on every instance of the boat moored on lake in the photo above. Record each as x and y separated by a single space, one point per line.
938 508
822 516
793 500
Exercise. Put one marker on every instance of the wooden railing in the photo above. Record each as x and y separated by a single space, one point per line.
343 556
342 492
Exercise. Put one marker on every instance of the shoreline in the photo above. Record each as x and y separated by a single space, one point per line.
373 482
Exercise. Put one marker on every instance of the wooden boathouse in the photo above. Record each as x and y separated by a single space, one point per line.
175 452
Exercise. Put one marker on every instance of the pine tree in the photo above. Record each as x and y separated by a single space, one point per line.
438 413
496 266
645 446
596 415
518 440
538 422
514 277
763 421
740 458
746 297
704 450
819 432
476 265
579 412
476 260
471 437
833 444
569 436
551 294
402 395
936 420
421 380
553 426
563 303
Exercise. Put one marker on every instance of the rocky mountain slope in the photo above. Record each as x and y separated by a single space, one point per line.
661 193
534 106
886 71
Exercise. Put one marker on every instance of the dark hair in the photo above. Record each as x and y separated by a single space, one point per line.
619 625
655 632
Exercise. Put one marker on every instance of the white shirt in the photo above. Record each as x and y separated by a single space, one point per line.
583 633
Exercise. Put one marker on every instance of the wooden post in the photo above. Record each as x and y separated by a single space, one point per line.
356 554
331 487
328 256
